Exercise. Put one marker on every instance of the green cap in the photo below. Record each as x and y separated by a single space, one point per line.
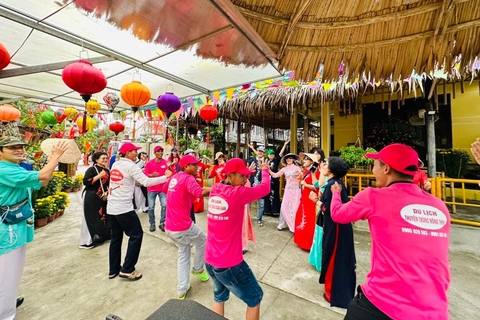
9 141
270 151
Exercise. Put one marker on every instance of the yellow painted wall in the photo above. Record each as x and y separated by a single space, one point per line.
465 116
345 128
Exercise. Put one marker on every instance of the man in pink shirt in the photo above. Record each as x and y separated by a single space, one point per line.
410 229
182 190
223 253
156 168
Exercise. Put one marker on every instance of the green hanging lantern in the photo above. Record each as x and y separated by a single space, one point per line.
48 116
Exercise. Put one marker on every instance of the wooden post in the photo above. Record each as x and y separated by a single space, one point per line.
305 134
325 127
293 131
224 142
239 133
430 123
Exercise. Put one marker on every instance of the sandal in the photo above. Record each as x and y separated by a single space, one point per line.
134 276
260 224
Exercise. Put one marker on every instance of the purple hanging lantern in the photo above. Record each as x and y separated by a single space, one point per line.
168 103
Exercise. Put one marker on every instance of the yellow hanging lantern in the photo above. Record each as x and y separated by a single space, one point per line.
71 113
89 126
92 107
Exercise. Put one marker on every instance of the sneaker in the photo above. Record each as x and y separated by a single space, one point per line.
183 296
152 227
162 227
87 246
280 228
202 275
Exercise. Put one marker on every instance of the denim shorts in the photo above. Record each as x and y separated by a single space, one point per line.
239 280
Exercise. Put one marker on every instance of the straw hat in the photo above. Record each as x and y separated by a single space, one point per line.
71 155
218 155
288 155
311 156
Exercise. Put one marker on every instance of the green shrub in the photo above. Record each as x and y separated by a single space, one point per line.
356 156
453 162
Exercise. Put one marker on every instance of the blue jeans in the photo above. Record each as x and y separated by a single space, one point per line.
239 280
151 206
261 206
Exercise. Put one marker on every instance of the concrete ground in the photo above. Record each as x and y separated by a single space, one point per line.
61 281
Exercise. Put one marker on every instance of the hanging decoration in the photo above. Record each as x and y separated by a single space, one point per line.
48 116
90 123
9 113
84 78
71 113
208 113
92 107
135 94
168 103
4 57
111 100
116 127
8 116
60 115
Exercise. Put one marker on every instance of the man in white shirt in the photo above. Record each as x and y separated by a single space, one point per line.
123 175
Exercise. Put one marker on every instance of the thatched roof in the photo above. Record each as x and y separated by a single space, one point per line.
383 38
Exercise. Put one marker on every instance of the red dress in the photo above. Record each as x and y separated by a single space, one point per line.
198 203
218 173
173 167
306 215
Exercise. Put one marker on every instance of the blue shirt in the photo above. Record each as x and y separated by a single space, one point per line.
14 184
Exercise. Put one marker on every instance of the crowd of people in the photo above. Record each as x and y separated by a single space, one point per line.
407 279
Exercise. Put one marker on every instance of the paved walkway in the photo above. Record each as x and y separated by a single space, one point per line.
62 281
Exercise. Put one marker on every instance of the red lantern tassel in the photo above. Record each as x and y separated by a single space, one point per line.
208 137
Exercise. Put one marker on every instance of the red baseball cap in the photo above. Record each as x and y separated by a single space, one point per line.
126 147
398 156
237 165
157 148
186 160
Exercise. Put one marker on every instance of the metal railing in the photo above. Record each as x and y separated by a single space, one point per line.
356 182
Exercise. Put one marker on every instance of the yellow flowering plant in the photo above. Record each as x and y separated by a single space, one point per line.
61 200
44 207
77 183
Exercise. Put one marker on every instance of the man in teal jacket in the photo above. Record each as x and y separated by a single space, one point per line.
16 184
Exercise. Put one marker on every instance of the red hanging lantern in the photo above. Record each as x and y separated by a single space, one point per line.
208 113
60 115
9 113
84 78
4 57
116 127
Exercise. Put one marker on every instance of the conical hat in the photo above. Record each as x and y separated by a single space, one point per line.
71 155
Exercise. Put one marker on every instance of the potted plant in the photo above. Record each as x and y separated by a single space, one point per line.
77 183
55 184
61 201
356 159
42 208
67 184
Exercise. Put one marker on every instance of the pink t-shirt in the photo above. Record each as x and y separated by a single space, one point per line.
226 207
154 166
410 229
182 189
